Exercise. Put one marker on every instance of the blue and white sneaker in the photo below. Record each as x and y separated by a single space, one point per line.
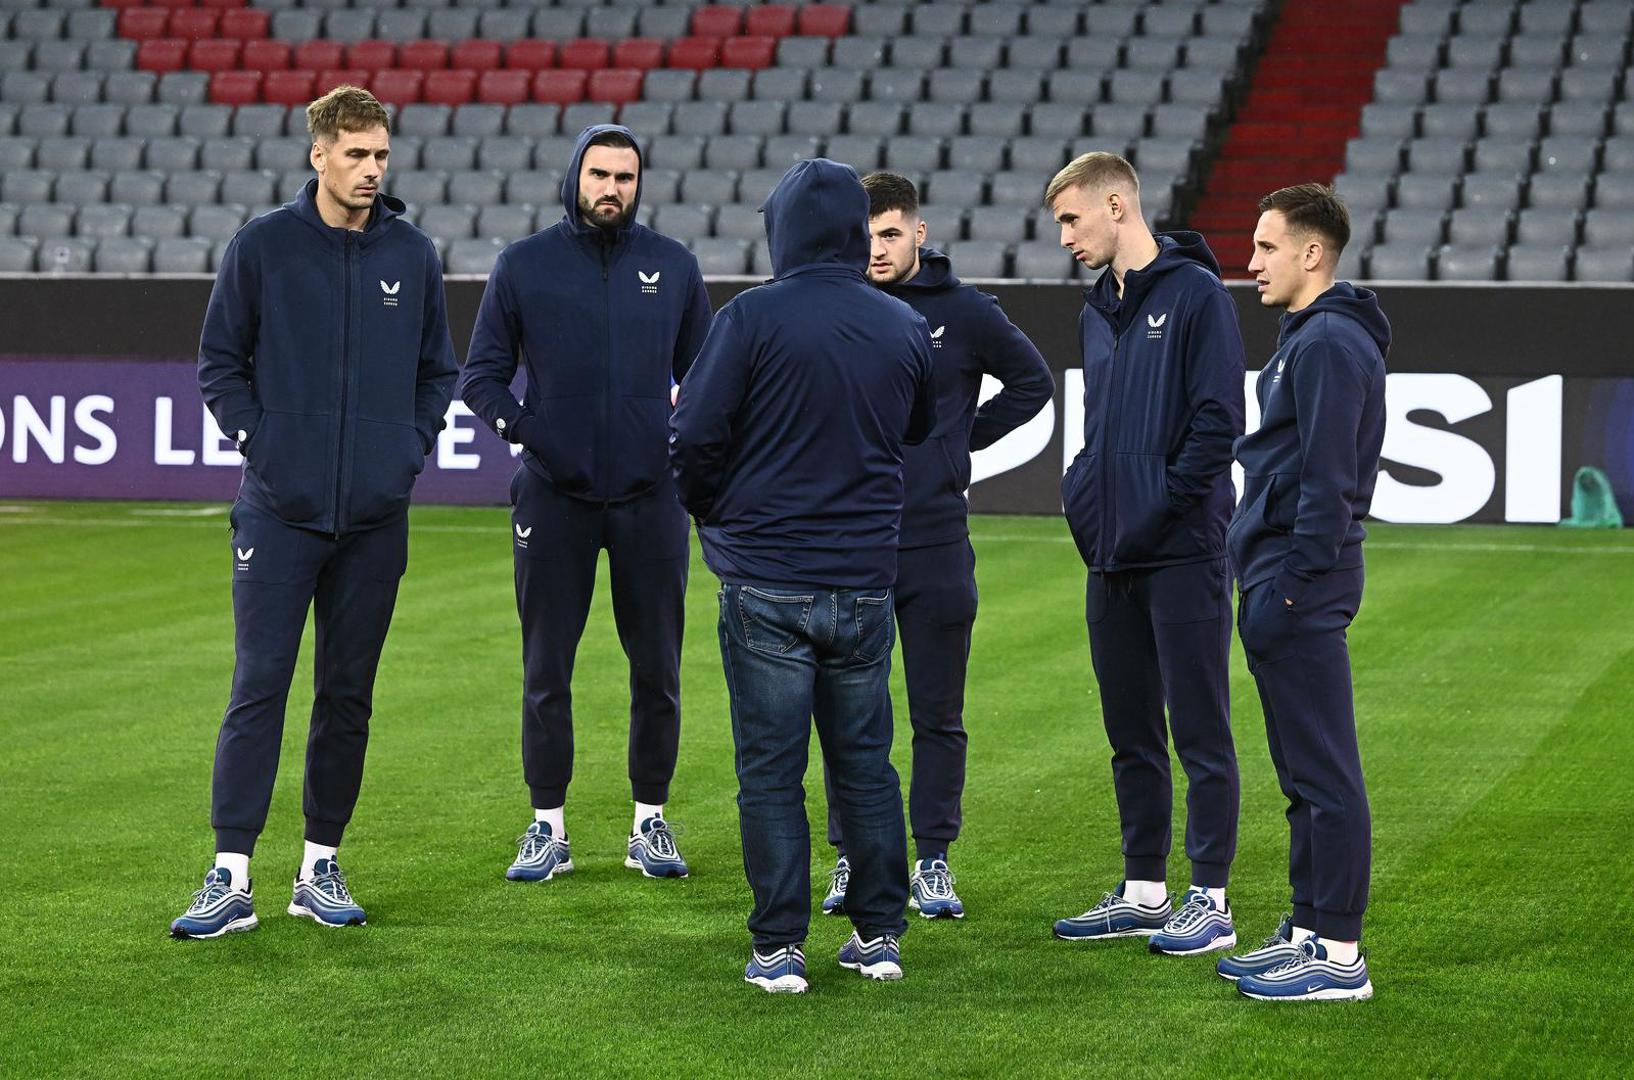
653 851
930 891
1114 917
217 909
324 898
539 855
1198 927
838 880
780 971
1278 949
1310 976
877 958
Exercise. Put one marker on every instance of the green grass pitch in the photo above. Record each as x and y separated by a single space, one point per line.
1494 676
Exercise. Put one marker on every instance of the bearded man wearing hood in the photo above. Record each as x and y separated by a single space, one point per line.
787 448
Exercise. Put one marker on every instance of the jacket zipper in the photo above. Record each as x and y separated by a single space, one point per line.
345 380
1106 429
605 434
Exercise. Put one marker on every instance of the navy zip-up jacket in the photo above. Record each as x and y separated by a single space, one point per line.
325 353
1310 469
605 322
970 336
1163 402
787 442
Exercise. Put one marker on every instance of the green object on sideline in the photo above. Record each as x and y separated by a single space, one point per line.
1594 506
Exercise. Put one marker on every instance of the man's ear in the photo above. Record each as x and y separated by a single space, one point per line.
1115 205
1314 254
919 234
316 155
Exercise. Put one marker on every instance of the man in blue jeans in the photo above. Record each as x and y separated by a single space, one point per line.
786 445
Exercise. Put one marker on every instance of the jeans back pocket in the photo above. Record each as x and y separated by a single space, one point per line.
876 629
773 622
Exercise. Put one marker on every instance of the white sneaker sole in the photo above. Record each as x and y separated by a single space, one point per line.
232 926
1360 993
301 911
559 869
837 909
883 971
635 864
783 984
923 914
1108 937
1227 942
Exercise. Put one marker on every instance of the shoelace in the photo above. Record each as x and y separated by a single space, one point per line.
333 886
839 878
661 839
532 844
1305 957
212 892
1273 941
937 883
1192 913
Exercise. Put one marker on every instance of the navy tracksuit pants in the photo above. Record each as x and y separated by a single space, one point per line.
1300 661
1163 637
556 540
935 611
279 573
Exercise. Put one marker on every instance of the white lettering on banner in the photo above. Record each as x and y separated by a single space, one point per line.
164 448
1251 422
51 436
85 418
218 448
1533 423
1018 447
453 436
1467 474
1072 416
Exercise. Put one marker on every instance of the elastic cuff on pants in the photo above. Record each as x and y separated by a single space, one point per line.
238 841
326 833
872 932
930 848
653 794
1145 868
548 798
1305 916
1338 927
1211 875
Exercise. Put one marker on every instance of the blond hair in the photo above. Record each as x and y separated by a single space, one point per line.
345 108
1093 171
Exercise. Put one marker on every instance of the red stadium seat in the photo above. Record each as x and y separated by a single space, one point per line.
695 52
246 24
143 24
371 54
226 4
503 87
266 55
318 55
427 55
454 87
235 87
752 53
642 53
122 4
288 87
328 80
531 54
717 20
559 86
823 20
161 54
617 85
769 20
477 54
173 3
215 54
398 86
194 23
585 54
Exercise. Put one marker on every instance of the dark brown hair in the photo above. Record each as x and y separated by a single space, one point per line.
888 191
1312 208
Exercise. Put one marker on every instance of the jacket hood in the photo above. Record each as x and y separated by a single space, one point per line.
1359 305
1174 250
935 274
570 179
305 206
817 215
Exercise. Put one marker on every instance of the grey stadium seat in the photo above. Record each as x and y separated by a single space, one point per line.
423 120
1466 264
1608 227
1526 84
1389 119
62 254
739 221
1614 190
252 187
773 84
1043 260
1399 262
451 222
1366 155
181 255
1542 263
1603 264
1468 86
675 151
1513 120
542 188
473 256
1473 226
700 118
1426 191
756 117
1572 153
123 255
195 187
480 120
1405 87
216 222
957 189
756 184
782 151
535 120
979 259
505 153
981 153
1587 118
138 187
1432 155
685 222
1015 189
913 153
874 118
479 187
1564 190
506 222
1412 226
16 152
45 219
1503 155
27 186
733 152
1492 190
1445 121
82 186
1037 154
718 256
1546 225
709 188
1000 224
724 84
160 222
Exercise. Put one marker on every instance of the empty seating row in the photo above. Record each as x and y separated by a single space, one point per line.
1416 262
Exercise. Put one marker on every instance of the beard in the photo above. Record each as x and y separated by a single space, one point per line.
604 215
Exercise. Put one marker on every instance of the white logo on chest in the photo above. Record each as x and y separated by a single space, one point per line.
1154 326
649 282
936 337
390 291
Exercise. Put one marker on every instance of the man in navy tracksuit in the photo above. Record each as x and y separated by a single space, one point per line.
1147 500
1296 548
605 315
787 447
325 354
936 579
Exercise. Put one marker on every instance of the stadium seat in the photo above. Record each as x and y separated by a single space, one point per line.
236 87
1603 264
638 54
477 55
697 53
266 55
473 256
1542 263
181 255
615 85
319 55
1399 262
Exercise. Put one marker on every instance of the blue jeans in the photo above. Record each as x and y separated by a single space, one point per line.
792 655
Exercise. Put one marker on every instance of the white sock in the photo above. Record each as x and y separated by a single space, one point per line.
1146 893
310 858
237 865
558 828
1340 952
643 811
1215 896
1300 934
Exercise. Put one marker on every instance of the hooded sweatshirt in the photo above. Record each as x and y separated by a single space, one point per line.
1310 469
325 353
1163 401
605 322
787 442
970 337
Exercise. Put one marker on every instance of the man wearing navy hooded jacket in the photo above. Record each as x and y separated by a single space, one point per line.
325 354
787 447
936 566
1147 499
605 315
1296 547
